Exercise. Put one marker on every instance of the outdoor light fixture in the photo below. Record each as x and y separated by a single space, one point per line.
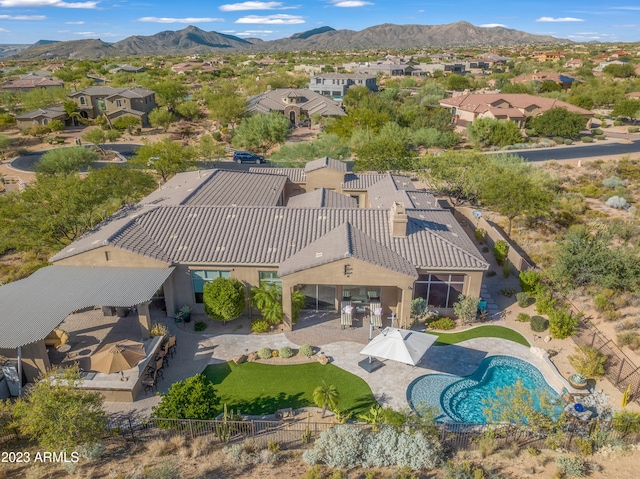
348 270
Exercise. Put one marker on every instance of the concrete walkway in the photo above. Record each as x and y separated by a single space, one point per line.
389 384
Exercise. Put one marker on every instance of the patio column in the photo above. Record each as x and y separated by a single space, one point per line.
144 318
404 313
287 317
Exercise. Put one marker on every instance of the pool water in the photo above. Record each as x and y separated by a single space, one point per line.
460 399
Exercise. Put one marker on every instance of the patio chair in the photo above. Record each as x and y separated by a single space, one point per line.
150 384
373 295
173 340
375 313
346 314
57 338
164 354
158 367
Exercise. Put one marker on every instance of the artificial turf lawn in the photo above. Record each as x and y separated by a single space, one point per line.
254 388
480 332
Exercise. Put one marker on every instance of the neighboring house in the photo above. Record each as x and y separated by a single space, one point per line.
31 83
41 116
548 56
602 65
540 77
202 67
114 102
344 234
516 107
385 69
128 69
337 84
294 103
574 63
429 68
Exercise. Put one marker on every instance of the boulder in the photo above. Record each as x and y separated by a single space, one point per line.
252 357
239 359
323 359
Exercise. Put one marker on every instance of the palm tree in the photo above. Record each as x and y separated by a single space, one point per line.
326 396
268 299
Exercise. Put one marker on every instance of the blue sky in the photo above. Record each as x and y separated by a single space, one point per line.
27 21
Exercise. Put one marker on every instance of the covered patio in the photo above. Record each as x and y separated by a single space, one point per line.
33 307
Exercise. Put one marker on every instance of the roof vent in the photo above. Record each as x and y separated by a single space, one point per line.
96 242
319 254
322 217
220 248
231 215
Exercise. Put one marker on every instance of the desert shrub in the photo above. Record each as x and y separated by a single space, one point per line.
597 131
628 338
466 308
545 302
617 202
193 398
530 132
567 141
572 466
273 446
523 299
612 182
92 451
506 270
487 444
633 129
539 324
275 353
306 350
165 470
247 454
500 251
585 445
523 318
418 308
158 329
589 362
562 323
264 353
347 447
479 235
611 315
558 140
200 326
285 352
463 470
586 139
626 421
600 137
260 326
443 324
529 281
602 303
533 451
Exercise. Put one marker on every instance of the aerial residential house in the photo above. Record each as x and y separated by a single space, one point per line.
294 103
574 63
516 107
191 67
563 81
42 116
128 69
337 84
31 83
385 69
114 102
548 56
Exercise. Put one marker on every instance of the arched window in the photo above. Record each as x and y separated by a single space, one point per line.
82 100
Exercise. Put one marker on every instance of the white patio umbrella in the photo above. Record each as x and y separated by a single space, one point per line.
400 345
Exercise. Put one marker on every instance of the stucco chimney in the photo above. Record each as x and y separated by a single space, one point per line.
398 220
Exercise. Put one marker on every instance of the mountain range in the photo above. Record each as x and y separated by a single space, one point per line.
193 40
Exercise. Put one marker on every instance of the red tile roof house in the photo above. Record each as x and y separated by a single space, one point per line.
566 82
504 106
29 84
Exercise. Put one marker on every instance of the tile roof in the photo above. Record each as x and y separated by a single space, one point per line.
322 198
49 112
270 235
296 175
107 91
346 241
313 102
395 188
478 102
325 162
354 181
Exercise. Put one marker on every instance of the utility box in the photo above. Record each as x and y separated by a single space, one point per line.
10 371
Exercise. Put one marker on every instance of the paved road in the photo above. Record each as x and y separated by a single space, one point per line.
578 152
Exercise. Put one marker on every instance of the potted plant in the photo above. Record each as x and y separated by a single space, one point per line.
578 381
183 314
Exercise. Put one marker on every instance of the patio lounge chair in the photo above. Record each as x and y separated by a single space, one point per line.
346 314
57 338
375 313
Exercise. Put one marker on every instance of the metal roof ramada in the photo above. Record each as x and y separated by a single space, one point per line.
35 306
269 235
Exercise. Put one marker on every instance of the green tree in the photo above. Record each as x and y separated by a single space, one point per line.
383 153
456 174
457 82
629 108
121 185
226 107
582 101
193 398
56 125
224 299
189 110
166 157
261 131
42 98
39 131
209 149
162 118
97 136
6 121
170 92
466 308
326 396
59 416
558 121
492 132
65 161
624 70
126 122
268 299
5 143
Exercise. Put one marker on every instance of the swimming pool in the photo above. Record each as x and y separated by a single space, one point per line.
460 399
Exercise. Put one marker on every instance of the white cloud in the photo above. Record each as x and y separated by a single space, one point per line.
559 20
179 20
493 25
74 23
47 3
279 19
237 7
350 3
23 17
625 8
4 30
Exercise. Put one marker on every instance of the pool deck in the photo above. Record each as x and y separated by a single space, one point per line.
389 384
